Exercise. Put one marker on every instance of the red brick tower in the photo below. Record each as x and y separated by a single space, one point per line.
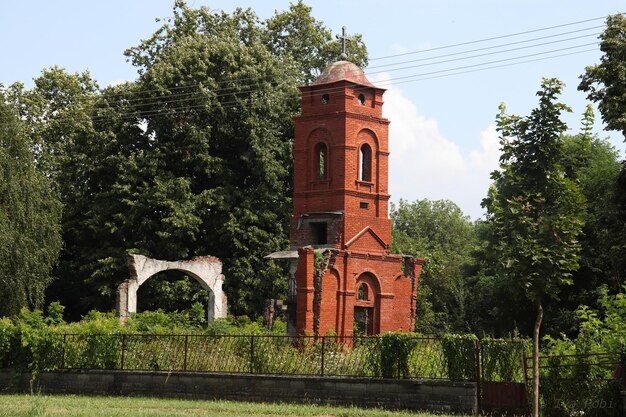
341 212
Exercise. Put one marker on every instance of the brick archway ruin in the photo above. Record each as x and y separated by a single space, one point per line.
207 270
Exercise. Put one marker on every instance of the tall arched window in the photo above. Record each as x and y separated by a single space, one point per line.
365 163
321 165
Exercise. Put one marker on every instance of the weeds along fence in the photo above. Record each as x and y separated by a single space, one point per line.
392 355
256 354
586 384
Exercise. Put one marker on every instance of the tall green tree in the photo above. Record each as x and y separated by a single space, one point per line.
536 210
57 113
30 212
192 158
439 232
497 307
605 83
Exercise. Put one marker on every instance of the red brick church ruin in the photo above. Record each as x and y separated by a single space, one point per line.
343 277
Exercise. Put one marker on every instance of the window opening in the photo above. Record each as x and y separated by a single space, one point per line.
365 163
363 323
362 292
320 233
363 205
322 158
325 98
361 99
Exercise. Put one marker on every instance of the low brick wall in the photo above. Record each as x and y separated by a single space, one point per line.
384 393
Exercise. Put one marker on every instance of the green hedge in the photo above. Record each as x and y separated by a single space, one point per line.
460 355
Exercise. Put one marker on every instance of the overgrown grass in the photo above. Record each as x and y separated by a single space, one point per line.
58 405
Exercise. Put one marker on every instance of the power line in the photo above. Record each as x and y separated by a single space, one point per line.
244 89
498 46
444 47
489 39
397 80
480 55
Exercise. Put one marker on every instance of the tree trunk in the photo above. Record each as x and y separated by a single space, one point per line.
536 358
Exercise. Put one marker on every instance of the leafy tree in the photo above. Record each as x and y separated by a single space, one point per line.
605 82
497 307
536 211
193 158
29 219
439 232
58 116
594 163
296 37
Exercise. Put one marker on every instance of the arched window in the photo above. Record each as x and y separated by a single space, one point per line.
365 163
321 163
362 292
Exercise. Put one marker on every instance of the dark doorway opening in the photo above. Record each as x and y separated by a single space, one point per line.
320 233
363 321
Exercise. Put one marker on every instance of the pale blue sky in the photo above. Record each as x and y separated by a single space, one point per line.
442 139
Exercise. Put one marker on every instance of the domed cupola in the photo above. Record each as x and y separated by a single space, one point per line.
342 71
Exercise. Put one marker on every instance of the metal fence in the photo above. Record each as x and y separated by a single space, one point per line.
579 384
257 354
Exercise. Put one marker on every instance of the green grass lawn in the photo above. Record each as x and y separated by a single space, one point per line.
71 405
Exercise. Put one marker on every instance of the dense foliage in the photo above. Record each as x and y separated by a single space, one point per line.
30 237
193 158
439 232
536 211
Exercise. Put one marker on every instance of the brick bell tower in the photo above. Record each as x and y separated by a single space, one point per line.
343 278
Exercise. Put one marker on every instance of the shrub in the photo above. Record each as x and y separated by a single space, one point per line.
394 354
460 354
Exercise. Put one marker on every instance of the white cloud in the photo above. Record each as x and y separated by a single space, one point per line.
425 164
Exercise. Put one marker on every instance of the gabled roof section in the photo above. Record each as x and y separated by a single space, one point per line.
366 240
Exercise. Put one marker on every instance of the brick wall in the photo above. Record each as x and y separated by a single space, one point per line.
385 393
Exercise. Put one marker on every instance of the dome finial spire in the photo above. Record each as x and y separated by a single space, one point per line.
344 37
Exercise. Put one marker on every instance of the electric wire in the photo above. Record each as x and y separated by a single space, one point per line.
456 45
172 98
212 91
138 114
490 39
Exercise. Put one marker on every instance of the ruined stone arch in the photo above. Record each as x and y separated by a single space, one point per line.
207 270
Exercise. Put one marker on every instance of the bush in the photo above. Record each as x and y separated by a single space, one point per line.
394 354
502 359
460 354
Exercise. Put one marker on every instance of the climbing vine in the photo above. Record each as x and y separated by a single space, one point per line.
460 355
408 269
322 262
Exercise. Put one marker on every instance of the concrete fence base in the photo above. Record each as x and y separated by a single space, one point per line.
385 393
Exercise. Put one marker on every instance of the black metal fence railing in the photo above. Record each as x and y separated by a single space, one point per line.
258 354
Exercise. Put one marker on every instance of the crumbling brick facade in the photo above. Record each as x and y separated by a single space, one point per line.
341 212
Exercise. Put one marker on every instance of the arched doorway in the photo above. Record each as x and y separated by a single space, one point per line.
172 290
366 305
207 270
